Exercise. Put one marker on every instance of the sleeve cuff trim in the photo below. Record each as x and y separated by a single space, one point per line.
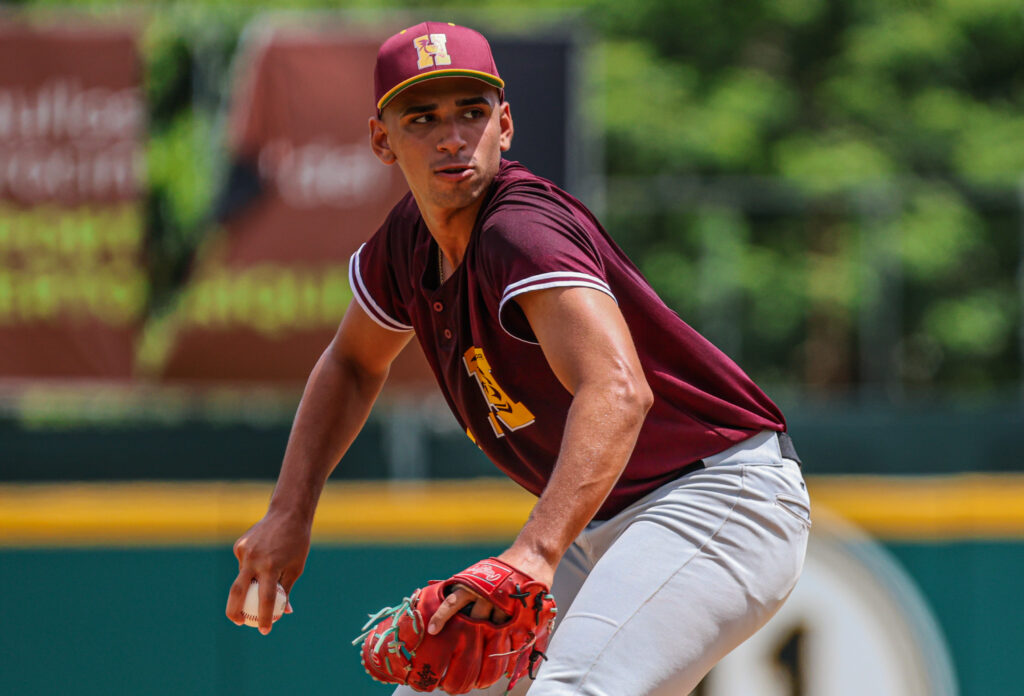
362 296
544 281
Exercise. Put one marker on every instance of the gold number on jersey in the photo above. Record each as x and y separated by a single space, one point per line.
503 410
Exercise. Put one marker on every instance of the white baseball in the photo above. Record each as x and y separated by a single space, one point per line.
251 607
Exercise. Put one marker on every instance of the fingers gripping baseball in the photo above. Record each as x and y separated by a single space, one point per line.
273 551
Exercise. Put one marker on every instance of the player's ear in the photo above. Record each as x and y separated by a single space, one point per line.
379 141
505 121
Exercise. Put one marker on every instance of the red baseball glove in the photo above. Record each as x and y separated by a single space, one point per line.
468 653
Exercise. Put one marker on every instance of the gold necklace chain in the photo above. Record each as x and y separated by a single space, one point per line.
440 266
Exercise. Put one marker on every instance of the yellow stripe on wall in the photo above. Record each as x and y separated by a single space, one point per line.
484 510
969 506
217 512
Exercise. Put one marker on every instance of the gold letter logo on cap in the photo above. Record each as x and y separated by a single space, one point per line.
432 50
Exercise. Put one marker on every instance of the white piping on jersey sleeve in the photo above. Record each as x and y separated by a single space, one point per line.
362 295
543 281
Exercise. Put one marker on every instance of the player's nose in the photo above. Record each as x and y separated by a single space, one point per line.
451 138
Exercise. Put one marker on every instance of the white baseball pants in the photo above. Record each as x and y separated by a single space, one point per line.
651 599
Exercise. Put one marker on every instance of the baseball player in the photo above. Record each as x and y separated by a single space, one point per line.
672 517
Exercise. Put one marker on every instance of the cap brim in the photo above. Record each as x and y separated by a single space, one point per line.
433 75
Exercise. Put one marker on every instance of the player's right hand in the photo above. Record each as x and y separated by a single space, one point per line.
272 551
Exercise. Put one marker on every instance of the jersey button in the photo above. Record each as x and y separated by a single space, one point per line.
438 306
448 333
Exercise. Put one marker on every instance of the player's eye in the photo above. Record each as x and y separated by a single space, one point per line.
473 113
423 118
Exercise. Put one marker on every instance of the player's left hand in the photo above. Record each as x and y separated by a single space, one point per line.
462 597
465 600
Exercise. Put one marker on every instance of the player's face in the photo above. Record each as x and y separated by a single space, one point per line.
447 135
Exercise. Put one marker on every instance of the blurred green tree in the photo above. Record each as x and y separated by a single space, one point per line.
887 143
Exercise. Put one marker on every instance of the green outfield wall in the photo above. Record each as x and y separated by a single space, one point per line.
134 605
101 621
150 621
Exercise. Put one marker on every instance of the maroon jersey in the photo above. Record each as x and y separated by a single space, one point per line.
531 235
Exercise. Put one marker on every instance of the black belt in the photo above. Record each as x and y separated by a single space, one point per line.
787 448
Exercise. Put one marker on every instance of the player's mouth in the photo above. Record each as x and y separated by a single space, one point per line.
454 172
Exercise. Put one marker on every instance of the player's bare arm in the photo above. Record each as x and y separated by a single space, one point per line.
340 391
588 346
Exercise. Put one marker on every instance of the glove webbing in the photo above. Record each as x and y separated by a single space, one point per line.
405 606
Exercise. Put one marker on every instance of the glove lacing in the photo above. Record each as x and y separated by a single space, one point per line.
404 607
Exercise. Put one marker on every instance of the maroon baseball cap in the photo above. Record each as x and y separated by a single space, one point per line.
430 50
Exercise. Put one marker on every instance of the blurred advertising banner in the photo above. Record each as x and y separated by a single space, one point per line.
303 191
72 288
